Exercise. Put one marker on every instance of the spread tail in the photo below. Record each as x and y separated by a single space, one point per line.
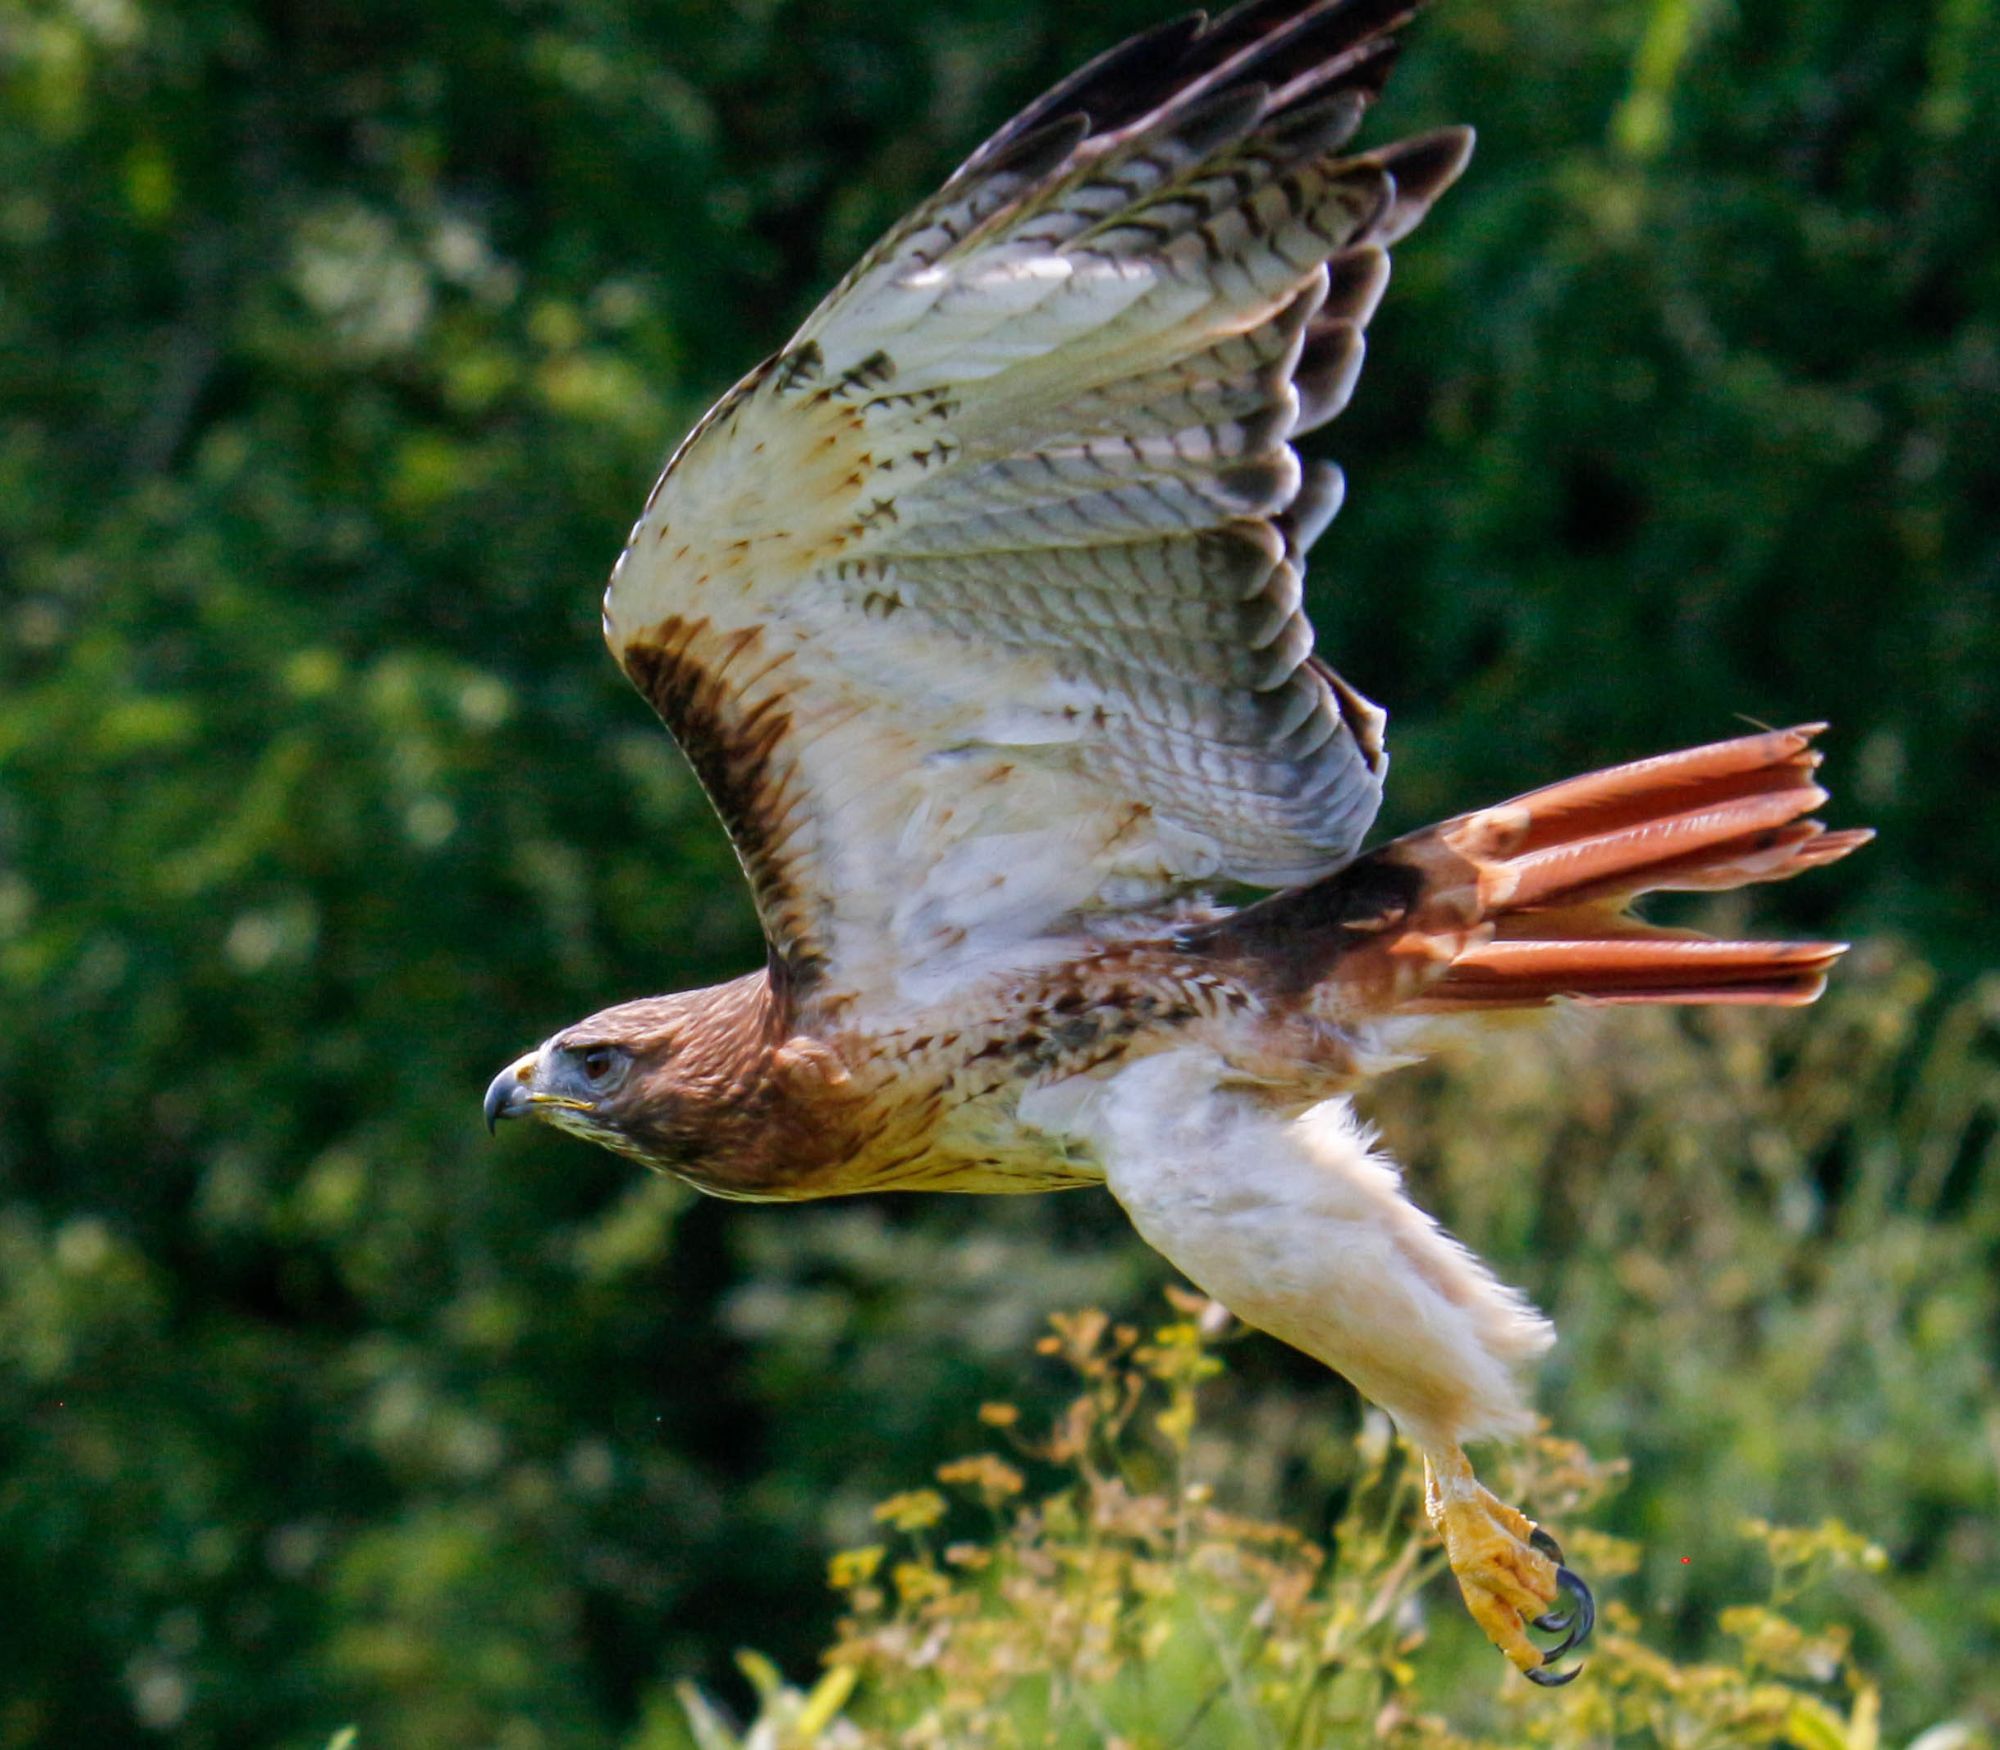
1525 902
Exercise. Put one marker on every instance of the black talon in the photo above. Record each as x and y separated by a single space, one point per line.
1573 1615
1581 1611
1586 1606
1579 1619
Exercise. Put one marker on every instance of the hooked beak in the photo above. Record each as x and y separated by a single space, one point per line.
507 1094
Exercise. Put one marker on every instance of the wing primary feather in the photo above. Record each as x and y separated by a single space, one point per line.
1423 167
1282 45
1028 162
1292 50
1322 489
1329 367
1109 90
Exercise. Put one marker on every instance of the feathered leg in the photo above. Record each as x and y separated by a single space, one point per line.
1301 1230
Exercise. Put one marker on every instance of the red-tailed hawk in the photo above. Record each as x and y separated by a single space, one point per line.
977 611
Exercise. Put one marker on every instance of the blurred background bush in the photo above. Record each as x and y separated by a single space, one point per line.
338 345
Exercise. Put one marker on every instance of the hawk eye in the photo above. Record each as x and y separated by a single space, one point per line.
598 1063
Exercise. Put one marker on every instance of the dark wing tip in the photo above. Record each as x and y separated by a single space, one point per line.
1296 49
1103 87
1425 165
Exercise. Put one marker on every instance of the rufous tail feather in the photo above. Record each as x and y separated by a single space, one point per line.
1527 902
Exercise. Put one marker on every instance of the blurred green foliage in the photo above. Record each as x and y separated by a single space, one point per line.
337 347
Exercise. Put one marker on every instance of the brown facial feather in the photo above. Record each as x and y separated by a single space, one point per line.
718 1094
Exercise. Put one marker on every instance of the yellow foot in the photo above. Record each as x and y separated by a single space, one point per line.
1509 1569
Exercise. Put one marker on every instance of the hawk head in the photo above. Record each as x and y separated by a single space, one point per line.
703 1085
617 1079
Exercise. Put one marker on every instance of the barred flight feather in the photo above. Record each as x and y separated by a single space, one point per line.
1017 513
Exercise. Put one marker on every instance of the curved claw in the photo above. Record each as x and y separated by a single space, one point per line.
1558 1619
1582 1614
1578 1619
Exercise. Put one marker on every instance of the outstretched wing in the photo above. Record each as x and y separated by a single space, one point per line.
979 607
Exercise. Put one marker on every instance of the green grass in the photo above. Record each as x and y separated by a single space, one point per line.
1127 1606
